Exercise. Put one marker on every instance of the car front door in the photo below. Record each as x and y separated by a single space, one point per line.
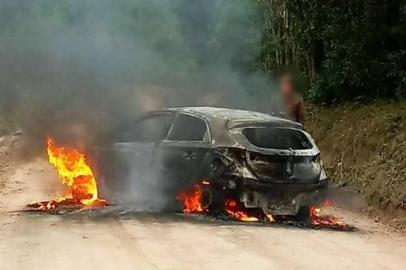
134 154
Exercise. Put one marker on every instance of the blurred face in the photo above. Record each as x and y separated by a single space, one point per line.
286 87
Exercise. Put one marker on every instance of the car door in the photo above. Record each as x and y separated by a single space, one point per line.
184 151
135 148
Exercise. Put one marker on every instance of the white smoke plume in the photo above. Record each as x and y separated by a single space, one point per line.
76 70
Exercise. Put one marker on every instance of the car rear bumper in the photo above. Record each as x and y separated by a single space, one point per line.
282 199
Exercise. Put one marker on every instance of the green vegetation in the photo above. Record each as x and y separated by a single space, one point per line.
364 147
346 49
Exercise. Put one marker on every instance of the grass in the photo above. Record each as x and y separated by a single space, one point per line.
364 147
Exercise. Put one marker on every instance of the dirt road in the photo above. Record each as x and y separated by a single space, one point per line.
152 241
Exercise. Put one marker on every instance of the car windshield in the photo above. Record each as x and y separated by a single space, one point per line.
277 138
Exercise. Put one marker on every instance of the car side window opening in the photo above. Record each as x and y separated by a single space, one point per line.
150 129
189 128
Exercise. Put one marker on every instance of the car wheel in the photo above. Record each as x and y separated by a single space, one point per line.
213 199
303 214
217 169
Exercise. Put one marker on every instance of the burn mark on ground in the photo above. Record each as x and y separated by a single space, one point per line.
131 212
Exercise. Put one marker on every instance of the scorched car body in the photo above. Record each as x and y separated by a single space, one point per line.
264 161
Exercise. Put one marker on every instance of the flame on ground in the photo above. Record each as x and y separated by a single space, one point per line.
237 211
191 200
325 221
75 174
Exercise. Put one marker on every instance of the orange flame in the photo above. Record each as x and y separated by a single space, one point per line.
191 200
317 219
237 211
74 172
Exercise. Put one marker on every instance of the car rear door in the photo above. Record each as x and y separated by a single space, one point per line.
184 152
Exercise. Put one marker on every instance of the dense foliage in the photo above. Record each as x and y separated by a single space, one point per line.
346 49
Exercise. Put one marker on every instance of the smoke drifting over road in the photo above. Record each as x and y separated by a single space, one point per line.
101 62
77 69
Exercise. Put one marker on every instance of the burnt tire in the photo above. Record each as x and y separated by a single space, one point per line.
303 214
213 199
217 169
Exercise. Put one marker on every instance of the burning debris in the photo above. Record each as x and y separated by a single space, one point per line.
319 220
76 175
234 209
326 221
193 202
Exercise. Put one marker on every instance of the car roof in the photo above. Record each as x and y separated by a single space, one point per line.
232 115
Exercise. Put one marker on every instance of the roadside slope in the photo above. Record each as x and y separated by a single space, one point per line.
364 147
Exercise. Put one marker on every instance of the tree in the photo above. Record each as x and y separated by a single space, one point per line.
346 49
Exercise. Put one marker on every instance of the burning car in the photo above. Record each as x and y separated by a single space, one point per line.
262 161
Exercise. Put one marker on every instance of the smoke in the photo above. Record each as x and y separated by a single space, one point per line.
78 69
102 62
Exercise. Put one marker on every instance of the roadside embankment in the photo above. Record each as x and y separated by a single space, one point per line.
363 148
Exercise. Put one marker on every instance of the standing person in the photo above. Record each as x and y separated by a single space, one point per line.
293 100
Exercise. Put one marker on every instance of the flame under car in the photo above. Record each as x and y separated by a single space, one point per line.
264 162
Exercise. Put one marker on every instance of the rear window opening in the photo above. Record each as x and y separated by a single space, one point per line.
277 138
